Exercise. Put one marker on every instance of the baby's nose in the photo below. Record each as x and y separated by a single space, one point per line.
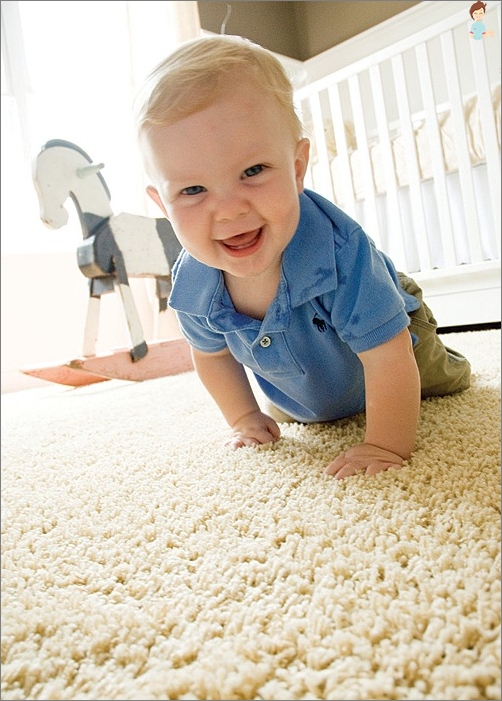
230 208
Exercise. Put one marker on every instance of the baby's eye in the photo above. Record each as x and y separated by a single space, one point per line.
193 190
254 170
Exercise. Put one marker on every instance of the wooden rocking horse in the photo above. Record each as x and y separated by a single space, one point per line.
114 249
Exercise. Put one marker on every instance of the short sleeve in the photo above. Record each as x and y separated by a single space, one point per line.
369 307
198 334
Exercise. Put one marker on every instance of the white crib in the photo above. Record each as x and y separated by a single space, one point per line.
404 121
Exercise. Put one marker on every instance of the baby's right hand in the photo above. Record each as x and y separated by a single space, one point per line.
254 428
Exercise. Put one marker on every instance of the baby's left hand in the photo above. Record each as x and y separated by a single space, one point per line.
365 458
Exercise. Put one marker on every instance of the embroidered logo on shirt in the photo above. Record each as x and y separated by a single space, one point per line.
320 323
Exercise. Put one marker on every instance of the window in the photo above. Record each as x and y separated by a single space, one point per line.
70 71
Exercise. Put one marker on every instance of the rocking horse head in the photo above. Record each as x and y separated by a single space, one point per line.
63 170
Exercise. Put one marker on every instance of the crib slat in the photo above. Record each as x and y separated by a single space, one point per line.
438 168
488 129
458 117
395 240
342 149
303 111
362 146
324 187
403 105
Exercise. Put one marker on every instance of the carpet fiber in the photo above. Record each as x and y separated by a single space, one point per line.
143 560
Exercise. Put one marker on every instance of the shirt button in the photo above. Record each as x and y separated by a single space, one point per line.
265 342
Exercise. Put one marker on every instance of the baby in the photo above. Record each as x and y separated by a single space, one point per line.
273 277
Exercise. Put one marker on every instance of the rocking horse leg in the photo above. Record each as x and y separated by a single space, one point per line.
97 287
91 327
139 347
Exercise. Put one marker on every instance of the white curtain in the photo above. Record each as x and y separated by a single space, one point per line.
70 70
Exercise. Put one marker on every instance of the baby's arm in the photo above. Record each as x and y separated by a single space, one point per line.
392 385
226 381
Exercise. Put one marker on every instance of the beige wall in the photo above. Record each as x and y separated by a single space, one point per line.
321 25
271 24
295 28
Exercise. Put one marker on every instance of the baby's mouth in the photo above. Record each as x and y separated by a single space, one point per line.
243 241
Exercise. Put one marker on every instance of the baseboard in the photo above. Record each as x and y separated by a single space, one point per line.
470 327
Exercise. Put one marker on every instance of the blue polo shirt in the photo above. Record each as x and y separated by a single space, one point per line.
338 296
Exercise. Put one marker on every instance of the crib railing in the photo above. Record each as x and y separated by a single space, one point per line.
407 141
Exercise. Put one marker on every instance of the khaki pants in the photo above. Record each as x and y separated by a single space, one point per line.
442 370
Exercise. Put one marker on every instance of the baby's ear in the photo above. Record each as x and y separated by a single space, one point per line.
301 161
153 193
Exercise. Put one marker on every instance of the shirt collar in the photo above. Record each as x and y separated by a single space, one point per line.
308 262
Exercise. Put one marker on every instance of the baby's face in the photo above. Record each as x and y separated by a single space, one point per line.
228 179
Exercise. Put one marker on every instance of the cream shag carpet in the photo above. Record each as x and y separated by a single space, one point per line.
143 560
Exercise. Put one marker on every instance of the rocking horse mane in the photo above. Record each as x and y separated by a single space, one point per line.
62 143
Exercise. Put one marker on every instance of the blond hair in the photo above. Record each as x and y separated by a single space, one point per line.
194 75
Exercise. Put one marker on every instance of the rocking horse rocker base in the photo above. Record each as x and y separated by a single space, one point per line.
170 357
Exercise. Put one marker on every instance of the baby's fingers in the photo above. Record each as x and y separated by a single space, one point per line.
241 442
344 467
341 469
